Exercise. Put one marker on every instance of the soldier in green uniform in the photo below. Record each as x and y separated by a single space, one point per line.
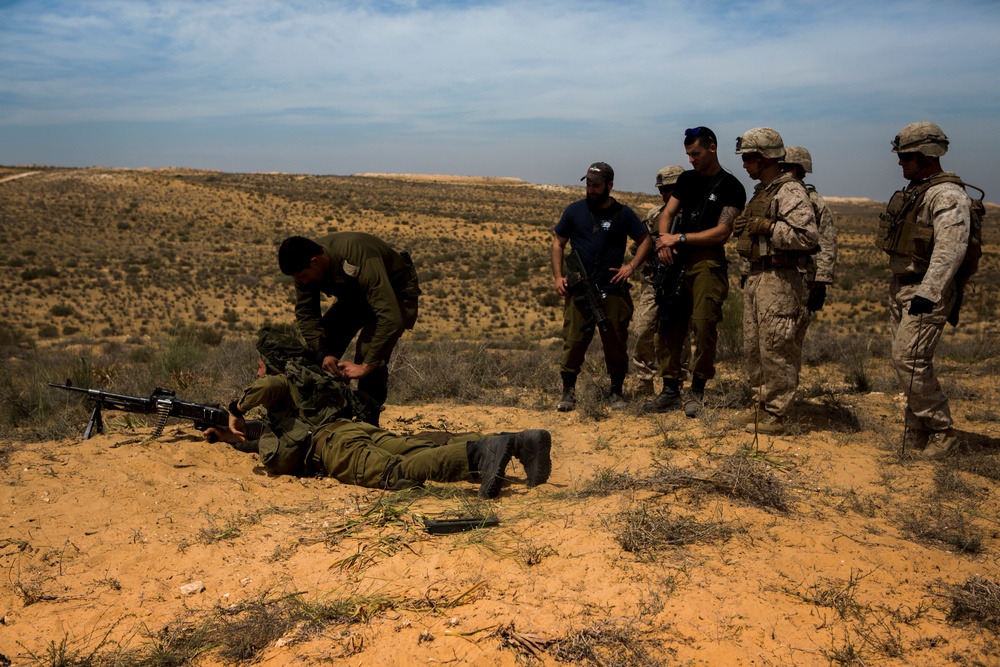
327 441
376 294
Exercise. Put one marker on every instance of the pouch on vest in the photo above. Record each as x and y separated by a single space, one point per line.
321 397
285 446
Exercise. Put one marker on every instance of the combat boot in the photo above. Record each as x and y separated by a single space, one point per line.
694 401
533 449
667 400
568 400
616 400
489 457
940 444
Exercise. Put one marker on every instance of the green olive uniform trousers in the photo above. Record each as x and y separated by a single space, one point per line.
364 455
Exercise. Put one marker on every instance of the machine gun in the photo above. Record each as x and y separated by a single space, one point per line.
668 283
586 294
162 402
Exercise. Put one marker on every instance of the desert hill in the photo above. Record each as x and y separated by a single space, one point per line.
659 540
180 246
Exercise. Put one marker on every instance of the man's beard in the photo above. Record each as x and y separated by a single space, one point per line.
598 200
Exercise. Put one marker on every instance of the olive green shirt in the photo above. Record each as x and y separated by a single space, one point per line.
364 270
273 392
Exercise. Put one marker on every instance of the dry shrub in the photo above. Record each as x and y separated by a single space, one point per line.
947 525
644 528
607 481
750 479
948 483
985 464
607 644
478 373
978 599
740 475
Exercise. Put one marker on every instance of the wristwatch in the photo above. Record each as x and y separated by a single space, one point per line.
683 238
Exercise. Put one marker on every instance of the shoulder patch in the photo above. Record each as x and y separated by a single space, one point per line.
351 270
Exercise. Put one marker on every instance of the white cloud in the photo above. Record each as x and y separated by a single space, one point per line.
533 76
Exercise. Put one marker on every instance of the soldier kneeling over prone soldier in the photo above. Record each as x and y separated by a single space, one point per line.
309 429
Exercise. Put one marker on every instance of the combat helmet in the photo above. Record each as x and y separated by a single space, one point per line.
921 137
800 156
668 175
277 347
762 140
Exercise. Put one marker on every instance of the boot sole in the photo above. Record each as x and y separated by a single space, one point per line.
536 456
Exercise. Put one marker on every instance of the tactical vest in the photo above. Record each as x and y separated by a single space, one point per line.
754 226
899 233
318 398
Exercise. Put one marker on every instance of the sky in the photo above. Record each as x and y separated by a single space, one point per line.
517 88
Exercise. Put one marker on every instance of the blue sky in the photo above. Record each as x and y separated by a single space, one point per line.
534 90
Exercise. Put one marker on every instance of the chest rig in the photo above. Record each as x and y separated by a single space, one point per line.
753 228
899 233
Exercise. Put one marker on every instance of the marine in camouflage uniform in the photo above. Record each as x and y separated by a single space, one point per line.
358 453
775 233
376 292
646 354
926 237
820 267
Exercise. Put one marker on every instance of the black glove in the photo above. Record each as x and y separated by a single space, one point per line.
743 281
920 306
817 297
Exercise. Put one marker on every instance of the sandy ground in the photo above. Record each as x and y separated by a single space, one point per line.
100 541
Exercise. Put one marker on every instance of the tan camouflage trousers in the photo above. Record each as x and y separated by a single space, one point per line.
645 355
914 339
365 455
774 311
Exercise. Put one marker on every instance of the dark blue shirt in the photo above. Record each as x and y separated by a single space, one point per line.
600 233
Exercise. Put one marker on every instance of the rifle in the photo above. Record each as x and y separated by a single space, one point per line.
668 283
588 296
162 402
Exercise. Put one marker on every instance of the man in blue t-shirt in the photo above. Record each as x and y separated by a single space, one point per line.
598 228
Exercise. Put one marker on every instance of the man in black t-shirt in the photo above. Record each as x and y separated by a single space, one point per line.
708 199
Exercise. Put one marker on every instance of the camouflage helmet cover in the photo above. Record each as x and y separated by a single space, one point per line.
762 140
800 156
668 175
278 347
921 137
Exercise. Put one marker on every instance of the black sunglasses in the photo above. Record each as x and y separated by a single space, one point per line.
701 131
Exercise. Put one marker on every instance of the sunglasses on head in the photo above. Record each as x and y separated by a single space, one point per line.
700 132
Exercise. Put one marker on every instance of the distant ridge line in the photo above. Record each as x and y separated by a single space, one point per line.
445 178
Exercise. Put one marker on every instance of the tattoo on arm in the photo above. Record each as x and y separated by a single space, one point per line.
728 215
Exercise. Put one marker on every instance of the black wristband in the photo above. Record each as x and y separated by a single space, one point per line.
234 409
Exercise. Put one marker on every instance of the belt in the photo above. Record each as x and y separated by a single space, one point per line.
907 279
765 263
